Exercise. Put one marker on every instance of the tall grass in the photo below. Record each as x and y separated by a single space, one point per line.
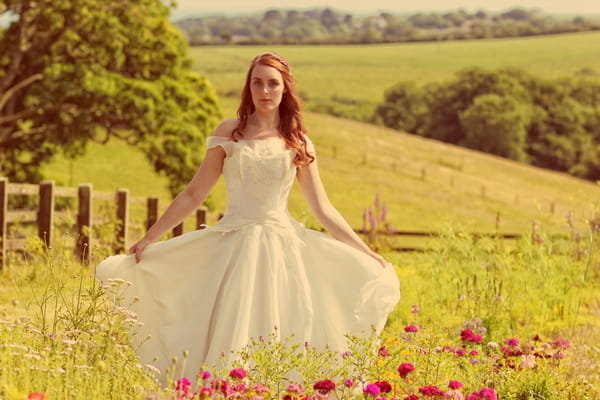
60 335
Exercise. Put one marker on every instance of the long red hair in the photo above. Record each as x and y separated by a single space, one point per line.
291 126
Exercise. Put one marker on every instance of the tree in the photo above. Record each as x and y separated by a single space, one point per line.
497 125
403 108
74 72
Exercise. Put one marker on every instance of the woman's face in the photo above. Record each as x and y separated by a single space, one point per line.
267 88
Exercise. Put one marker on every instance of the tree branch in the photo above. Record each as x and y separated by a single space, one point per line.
18 49
19 134
8 94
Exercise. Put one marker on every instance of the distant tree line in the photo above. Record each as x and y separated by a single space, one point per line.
327 26
552 124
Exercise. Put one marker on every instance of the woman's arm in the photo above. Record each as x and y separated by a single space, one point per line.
320 205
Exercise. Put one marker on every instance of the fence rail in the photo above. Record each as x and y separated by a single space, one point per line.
45 215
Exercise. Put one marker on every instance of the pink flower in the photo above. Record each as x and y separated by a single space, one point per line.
431 391
411 329
455 385
512 342
487 394
383 352
295 388
240 387
259 388
324 386
460 352
473 353
220 385
384 386
560 344
454 394
205 392
204 375
349 383
183 385
405 368
237 373
468 335
372 389
528 361
415 310
411 397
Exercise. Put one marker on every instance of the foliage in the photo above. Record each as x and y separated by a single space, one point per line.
72 73
508 112
327 26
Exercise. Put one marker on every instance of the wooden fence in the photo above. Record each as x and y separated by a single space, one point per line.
45 215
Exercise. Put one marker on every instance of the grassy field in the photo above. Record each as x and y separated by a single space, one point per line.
362 73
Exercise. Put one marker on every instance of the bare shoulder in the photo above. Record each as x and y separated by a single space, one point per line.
226 127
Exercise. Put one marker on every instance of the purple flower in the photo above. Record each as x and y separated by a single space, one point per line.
372 389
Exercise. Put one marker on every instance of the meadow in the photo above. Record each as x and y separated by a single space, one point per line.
518 318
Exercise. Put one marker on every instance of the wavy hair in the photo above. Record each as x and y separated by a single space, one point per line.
291 125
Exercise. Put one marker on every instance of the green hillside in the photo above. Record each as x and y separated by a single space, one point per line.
362 72
426 184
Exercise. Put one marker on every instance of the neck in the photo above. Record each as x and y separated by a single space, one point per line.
265 120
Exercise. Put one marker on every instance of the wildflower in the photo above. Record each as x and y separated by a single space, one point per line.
240 388
220 385
431 391
383 352
183 385
36 396
493 345
473 353
415 309
346 354
474 361
324 386
560 344
487 394
411 329
205 392
237 373
528 361
512 342
384 386
468 335
454 385
405 368
349 383
294 388
536 338
259 388
460 352
411 397
204 375
372 389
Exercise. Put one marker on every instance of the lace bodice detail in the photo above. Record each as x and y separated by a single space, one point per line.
259 175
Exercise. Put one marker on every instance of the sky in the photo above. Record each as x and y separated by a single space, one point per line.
188 8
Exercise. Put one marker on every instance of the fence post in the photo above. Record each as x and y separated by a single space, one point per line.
200 218
46 212
84 223
123 218
178 230
151 211
3 218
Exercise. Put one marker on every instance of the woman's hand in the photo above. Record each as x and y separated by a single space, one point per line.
138 248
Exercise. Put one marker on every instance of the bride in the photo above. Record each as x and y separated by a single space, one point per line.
257 271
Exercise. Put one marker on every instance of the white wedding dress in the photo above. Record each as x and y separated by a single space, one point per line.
257 271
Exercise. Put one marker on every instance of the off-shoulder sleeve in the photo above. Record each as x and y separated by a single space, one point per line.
224 142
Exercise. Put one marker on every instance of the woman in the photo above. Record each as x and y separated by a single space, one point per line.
257 271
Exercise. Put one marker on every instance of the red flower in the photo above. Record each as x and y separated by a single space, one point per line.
405 368
512 342
411 329
468 335
411 397
384 386
324 386
455 385
431 391
237 373
487 394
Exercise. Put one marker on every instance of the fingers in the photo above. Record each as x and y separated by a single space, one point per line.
137 250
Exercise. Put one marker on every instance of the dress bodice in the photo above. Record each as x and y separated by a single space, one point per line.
259 175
